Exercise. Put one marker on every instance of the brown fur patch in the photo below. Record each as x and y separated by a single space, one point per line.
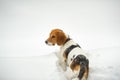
57 36
76 68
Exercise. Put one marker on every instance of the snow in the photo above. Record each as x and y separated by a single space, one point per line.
25 25
104 65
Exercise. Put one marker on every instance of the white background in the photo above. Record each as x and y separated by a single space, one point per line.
25 24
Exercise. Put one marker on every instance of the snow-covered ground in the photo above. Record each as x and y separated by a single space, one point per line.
104 65
25 25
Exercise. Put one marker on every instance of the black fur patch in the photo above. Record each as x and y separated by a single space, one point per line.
67 51
84 64
67 40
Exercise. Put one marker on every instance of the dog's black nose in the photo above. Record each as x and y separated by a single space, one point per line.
46 42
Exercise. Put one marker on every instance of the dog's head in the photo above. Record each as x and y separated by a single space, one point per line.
56 36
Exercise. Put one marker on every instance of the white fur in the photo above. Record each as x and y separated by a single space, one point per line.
50 44
76 51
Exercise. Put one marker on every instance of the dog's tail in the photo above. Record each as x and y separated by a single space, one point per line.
84 68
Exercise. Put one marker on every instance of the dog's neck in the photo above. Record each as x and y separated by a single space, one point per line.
67 40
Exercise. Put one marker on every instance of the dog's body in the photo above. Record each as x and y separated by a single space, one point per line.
70 55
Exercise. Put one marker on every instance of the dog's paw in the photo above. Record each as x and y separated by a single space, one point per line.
75 79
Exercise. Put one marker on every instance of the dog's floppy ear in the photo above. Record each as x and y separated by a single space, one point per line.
61 37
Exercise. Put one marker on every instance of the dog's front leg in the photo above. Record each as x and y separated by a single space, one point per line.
62 62
63 65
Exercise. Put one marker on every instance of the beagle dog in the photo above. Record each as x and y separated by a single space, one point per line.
71 55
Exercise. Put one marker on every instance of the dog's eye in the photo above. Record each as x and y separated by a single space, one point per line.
53 36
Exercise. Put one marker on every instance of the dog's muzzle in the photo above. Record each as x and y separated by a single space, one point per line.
48 43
